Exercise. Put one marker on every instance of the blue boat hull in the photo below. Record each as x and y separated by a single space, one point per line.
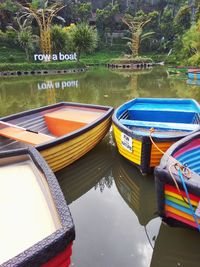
194 75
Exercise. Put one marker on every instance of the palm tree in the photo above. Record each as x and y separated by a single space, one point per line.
135 25
24 34
43 14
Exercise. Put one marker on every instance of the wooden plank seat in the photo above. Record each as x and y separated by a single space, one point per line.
164 105
162 115
24 136
68 120
161 125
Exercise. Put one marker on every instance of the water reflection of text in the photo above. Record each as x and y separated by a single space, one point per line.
57 85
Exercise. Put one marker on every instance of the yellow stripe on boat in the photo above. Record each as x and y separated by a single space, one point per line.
172 194
135 155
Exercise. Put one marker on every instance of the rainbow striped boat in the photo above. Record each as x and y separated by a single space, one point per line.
171 120
178 183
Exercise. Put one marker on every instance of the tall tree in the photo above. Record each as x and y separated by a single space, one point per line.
106 19
43 13
135 25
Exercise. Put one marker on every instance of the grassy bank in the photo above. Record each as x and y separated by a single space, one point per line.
12 59
22 65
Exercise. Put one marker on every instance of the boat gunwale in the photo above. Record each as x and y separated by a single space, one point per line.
175 147
146 138
47 248
59 140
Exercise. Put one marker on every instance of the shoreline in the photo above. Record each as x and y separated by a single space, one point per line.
41 72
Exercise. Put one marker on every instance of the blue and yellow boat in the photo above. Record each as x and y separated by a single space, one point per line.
178 183
145 126
194 74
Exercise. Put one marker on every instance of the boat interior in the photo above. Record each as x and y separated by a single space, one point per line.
164 118
46 125
189 155
26 203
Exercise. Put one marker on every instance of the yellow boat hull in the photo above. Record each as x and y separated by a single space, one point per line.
144 154
69 151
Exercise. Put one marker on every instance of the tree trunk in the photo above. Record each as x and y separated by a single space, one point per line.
78 55
27 54
135 44
45 41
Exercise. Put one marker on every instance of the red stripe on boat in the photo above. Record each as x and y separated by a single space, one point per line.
62 259
180 219
175 190
193 144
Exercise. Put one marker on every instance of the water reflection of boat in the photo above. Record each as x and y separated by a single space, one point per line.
137 190
176 247
80 177
193 82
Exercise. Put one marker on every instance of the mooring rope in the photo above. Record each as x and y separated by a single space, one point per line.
188 198
182 171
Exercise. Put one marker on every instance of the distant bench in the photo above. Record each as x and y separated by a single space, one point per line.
161 125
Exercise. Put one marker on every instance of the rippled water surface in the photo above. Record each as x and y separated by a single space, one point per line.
112 204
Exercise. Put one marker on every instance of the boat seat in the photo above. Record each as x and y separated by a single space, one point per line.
24 136
164 105
161 125
170 116
64 121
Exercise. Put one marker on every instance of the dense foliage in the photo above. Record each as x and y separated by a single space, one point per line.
172 30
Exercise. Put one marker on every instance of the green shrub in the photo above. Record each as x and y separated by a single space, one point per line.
11 58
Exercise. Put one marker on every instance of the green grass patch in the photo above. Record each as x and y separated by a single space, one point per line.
129 60
103 57
11 54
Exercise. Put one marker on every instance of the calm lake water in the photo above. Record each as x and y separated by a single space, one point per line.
112 204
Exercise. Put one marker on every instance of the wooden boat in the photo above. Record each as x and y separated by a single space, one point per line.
178 183
62 132
135 121
36 226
